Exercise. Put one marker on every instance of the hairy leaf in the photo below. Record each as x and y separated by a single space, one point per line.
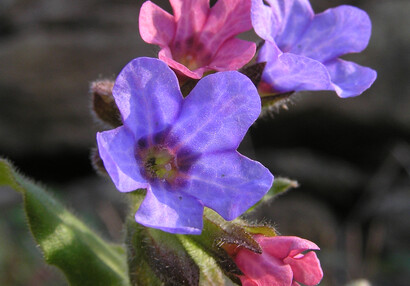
65 241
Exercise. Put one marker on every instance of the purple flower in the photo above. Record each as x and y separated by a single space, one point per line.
183 151
302 49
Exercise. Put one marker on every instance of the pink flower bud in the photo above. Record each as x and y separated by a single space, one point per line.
283 262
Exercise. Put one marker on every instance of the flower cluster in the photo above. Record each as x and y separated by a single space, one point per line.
181 151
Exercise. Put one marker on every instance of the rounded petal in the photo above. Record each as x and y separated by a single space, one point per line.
306 269
147 94
170 210
350 79
156 25
117 150
263 269
285 246
216 114
293 17
228 182
281 21
290 72
232 55
263 20
335 32
227 18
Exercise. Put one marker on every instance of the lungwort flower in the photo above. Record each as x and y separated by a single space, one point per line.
283 262
183 151
197 38
302 49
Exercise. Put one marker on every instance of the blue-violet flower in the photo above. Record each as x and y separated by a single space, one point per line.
183 150
302 49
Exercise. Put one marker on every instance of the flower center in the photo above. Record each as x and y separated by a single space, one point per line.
159 163
190 62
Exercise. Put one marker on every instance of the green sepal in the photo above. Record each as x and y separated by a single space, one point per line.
210 273
275 101
216 233
65 241
156 257
279 186
260 229
223 231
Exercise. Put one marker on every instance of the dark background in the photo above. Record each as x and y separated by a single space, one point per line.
350 156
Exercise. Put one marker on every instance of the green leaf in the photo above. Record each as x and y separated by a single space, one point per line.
65 241
280 186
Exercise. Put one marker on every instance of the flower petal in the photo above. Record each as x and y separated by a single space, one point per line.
290 72
216 114
335 32
350 79
284 246
226 19
147 94
263 269
246 281
117 150
170 210
263 21
190 17
307 269
228 182
293 17
156 25
232 55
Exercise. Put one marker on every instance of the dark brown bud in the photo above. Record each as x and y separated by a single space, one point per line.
103 102
97 162
254 72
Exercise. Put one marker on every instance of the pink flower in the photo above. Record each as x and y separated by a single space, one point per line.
197 38
282 262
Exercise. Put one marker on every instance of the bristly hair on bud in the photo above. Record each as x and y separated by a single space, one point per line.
103 103
158 258
97 162
272 104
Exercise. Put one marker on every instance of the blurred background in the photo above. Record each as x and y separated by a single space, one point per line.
351 157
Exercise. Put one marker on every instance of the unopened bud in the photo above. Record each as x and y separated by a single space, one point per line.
97 162
254 72
103 102
187 86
